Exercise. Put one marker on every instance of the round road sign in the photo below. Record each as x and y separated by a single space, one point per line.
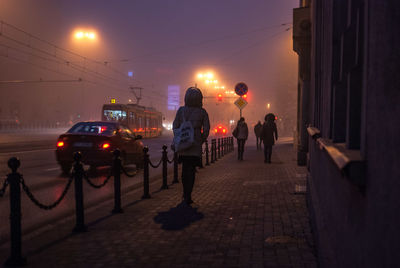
241 89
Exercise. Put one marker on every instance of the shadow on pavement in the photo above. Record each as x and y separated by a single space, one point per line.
178 217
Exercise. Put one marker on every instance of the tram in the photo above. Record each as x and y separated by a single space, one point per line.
144 121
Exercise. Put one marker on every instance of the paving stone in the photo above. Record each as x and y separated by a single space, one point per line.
238 206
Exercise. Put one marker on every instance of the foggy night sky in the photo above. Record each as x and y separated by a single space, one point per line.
163 43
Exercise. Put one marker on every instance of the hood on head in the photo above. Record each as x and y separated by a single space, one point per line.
193 97
270 117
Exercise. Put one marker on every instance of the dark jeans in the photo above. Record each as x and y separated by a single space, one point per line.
258 142
189 164
240 143
267 153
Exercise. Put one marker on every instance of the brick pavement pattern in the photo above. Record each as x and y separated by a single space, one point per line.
246 214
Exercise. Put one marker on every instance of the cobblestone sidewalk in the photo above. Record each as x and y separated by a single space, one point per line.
246 214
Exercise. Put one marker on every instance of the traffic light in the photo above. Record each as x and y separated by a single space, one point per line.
219 97
244 96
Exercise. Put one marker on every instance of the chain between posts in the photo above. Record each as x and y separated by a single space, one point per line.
155 166
86 177
127 174
3 189
40 205
171 161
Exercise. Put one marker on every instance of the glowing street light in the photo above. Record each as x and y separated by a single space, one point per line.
268 105
85 35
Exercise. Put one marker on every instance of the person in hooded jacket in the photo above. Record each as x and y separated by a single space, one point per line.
267 135
257 132
191 157
241 133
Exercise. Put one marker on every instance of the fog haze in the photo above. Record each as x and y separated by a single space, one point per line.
162 42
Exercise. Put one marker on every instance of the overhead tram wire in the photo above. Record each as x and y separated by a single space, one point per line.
253 45
103 64
65 61
207 41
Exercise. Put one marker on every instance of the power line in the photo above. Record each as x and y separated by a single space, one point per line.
208 41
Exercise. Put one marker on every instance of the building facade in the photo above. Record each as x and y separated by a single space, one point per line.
351 113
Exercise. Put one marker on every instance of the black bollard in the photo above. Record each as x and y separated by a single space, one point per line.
212 151
117 182
201 158
219 148
222 146
14 179
175 168
164 167
207 154
146 160
78 175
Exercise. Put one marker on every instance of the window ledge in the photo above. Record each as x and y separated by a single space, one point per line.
350 162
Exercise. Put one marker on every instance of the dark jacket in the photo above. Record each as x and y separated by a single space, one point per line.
258 129
194 113
242 131
267 133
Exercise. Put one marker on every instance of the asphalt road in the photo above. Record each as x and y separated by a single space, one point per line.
43 176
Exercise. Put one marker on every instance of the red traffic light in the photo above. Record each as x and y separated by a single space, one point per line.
244 96
219 97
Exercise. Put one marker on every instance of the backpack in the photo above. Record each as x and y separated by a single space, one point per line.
183 136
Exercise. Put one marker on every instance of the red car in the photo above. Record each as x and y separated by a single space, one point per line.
96 141
220 131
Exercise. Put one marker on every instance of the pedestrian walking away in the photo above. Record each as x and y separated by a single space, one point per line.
241 133
190 157
268 132
257 132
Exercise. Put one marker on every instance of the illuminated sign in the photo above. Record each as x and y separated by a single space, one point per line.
173 97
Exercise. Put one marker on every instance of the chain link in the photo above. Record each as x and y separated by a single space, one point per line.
40 205
3 189
155 166
172 160
127 174
86 177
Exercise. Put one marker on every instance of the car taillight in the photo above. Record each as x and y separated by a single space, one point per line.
60 144
215 130
224 130
105 145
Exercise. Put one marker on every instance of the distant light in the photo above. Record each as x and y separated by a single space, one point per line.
60 144
130 74
268 106
199 76
207 81
85 34
210 75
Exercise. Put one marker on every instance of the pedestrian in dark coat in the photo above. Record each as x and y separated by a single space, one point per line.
241 133
267 136
190 158
257 132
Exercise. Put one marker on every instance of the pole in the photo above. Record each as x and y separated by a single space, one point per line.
164 167
146 160
14 178
78 175
117 182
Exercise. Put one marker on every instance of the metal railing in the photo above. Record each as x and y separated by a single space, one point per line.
219 147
